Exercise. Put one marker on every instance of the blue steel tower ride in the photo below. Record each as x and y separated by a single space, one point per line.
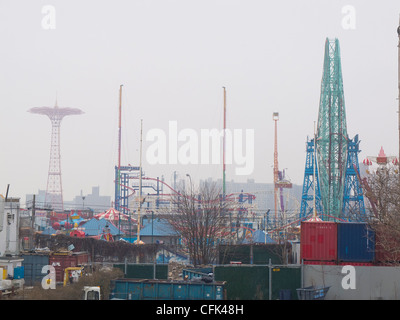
353 199
338 192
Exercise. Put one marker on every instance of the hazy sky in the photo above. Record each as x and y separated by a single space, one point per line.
173 58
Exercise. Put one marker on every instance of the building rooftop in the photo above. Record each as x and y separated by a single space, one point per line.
159 228
95 227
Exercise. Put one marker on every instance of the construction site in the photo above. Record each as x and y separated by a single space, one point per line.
335 237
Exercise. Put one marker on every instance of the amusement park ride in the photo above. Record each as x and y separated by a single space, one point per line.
381 160
331 172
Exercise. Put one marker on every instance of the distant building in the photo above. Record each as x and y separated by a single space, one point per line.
40 198
93 201
264 194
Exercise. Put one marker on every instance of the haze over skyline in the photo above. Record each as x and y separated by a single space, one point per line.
173 59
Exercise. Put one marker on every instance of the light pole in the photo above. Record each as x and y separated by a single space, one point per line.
265 226
191 191
152 226
191 185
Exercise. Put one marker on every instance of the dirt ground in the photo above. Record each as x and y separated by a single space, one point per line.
74 292
175 270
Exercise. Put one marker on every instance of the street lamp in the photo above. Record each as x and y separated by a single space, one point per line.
190 178
191 185
152 226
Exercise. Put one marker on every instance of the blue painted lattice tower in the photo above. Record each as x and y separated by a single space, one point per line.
353 199
122 176
307 197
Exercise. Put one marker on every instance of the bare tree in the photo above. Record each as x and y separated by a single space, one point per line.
382 189
201 219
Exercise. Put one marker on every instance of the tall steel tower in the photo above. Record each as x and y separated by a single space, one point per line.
334 177
332 138
311 194
54 194
353 198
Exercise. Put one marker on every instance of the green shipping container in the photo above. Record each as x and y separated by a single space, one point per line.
143 270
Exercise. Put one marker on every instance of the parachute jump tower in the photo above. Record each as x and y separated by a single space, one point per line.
334 176
54 193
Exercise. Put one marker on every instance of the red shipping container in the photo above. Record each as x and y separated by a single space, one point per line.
361 264
325 263
62 261
318 241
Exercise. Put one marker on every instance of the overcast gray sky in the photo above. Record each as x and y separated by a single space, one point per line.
173 58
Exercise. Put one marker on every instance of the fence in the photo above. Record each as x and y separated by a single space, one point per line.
259 282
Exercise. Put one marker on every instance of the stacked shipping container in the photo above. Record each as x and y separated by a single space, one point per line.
356 243
337 243
318 242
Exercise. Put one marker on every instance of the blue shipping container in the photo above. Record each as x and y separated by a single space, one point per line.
356 242
148 289
33 264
